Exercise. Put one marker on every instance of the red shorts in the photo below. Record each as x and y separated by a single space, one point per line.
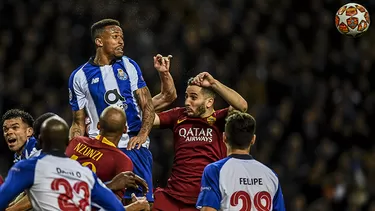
164 202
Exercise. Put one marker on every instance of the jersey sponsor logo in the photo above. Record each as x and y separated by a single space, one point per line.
70 95
121 74
205 188
196 134
113 97
88 152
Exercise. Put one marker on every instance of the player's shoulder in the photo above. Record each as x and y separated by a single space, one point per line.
254 165
79 69
181 111
128 59
216 166
28 164
81 139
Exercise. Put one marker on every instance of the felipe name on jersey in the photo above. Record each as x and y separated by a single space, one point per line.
251 181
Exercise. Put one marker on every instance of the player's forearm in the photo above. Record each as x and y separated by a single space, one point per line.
167 94
208 209
23 204
230 96
148 112
137 206
76 130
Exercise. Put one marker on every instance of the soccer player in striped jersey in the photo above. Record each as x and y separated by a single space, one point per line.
239 182
55 182
110 78
18 133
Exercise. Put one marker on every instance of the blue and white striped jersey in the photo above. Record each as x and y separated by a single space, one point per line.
239 182
56 183
93 88
29 151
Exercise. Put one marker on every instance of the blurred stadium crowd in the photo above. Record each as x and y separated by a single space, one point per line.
310 88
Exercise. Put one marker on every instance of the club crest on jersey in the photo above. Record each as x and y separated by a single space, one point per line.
121 74
211 120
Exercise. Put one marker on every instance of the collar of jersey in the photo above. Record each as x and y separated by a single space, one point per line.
104 140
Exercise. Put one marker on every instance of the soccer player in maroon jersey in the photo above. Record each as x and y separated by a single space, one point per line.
198 133
100 153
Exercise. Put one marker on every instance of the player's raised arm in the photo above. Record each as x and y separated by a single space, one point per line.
77 101
20 177
234 99
168 90
144 99
78 125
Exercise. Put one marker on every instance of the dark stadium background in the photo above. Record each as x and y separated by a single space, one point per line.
310 88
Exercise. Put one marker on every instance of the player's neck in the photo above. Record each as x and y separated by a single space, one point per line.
208 113
102 59
238 151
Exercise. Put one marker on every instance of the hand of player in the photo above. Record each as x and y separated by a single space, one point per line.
139 139
122 180
204 79
162 63
141 202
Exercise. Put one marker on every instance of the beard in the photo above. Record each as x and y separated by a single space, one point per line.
200 111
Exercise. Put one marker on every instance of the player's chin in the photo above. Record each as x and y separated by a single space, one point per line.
119 54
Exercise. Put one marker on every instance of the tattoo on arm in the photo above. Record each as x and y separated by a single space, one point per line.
148 113
78 124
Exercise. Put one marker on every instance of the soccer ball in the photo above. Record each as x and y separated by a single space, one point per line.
352 19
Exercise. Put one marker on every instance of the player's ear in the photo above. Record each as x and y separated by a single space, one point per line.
210 102
98 42
253 140
29 132
125 129
225 138
98 126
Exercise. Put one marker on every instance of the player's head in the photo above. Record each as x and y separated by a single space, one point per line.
198 100
17 128
39 121
239 131
108 37
112 122
54 134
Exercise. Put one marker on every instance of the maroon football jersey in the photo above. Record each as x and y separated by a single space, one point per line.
100 155
197 142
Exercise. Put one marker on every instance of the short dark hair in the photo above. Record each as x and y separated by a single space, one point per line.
39 121
206 91
18 113
239 129
97 28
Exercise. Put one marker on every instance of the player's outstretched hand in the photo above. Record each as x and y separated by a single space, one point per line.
162 63
204 79
138 204
123 180
136 140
